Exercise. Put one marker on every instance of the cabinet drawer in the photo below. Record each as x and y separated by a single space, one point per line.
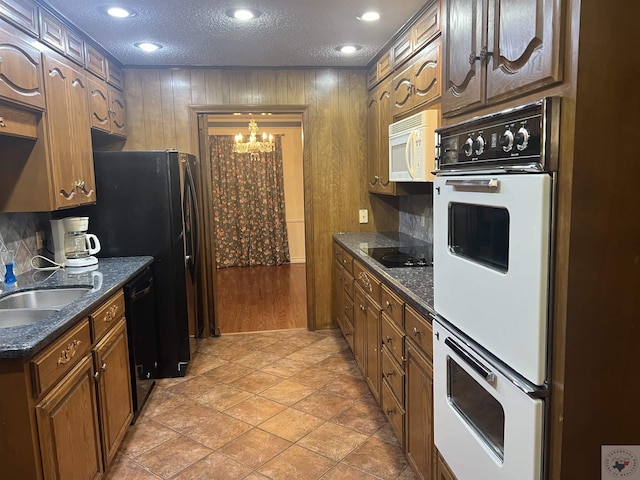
393 411
17 122
58 359
106 316
392 338
392 306
393 375
348 308
348 283
369 283
337 253
347 261
347 330
420 330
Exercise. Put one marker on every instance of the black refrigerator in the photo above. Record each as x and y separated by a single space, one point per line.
146 204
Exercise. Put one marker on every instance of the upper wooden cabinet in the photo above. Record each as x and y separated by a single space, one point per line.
20 71
494 49
419 82
57 35
22 13
421 32
107 108
70 150
378 120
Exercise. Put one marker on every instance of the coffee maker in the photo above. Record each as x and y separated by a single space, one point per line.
71 245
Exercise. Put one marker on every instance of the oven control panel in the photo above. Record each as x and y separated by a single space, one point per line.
514 139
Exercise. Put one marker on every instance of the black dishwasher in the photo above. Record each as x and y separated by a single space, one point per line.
140 310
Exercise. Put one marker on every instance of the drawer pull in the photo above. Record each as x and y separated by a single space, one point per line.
98 374
388 305
111 313
363 308
388 339
415 332
388 374
2 124
68 353
364 280
389 411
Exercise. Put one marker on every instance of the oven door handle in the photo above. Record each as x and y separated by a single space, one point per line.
483 371
489 184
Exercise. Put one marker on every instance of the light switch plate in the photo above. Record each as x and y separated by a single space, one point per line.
364 215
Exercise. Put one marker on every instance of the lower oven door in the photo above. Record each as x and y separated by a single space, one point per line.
491 263
486 426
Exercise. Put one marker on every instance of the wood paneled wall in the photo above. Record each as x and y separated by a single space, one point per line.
335 142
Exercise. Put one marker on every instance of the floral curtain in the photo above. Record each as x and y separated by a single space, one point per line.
248 205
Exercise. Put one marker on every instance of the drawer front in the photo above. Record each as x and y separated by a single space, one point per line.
114 75
348 283
392 306
106 316
419 330
392 338
337 253
348 308
58 359
347 331
393 411
347 261
393 375
369 283
95 61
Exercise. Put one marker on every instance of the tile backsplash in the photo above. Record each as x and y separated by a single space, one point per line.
416 216
18 233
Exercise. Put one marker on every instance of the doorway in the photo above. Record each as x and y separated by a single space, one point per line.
249 294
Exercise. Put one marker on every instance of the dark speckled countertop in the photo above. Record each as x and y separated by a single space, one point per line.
413 284
111 275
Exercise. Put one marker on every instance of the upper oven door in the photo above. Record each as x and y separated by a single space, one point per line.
491 263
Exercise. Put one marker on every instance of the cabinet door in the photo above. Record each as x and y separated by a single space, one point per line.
373 142
384 120
117 112
99 105
419 411
463 76
114 388
68 427
23 13
373 358
426 75
359 328
20 71
524 38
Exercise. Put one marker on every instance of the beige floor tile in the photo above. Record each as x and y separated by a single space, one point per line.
172 456
315 377
193 386
347 386
291 424
228 372
161 401
297 463
255 448
186 416
214 466
344 472
323 404
144 436
282 348
386 434
333 441
202 362
341 363
127 469
217 434
255 410
256 382
309 355
285 368
287 392
361 417
258 359
378 458
223 397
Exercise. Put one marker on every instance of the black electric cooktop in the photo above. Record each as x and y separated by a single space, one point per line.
407 256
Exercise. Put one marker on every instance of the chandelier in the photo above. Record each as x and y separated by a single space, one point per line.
253 146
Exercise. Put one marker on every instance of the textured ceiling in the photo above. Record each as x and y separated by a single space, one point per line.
290 33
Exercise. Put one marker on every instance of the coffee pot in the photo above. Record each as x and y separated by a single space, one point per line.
73 246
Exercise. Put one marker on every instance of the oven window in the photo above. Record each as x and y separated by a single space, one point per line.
480 234
481 411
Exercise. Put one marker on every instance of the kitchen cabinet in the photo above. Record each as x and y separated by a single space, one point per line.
419 395
20 70
107 107
495 49
343 293
72 402
418 84
70 149
378 121
57 35
22 13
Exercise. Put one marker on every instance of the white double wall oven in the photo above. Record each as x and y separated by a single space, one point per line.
493 230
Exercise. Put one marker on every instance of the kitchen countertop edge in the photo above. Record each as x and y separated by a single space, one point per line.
110 276
413 284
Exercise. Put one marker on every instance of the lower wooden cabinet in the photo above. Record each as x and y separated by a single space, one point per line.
419 410
68 427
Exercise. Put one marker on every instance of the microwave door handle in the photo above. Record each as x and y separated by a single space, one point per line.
409 158
489 184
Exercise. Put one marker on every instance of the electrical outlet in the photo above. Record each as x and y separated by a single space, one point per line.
364 215
39 240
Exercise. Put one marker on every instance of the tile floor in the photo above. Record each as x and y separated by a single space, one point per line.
276 405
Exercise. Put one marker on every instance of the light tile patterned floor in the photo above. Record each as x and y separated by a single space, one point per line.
276 405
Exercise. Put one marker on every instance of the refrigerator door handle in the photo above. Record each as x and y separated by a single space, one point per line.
195 218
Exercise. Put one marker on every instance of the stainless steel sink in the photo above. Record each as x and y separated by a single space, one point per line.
50 298
19 316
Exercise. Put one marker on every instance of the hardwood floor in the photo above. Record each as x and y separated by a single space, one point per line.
253 299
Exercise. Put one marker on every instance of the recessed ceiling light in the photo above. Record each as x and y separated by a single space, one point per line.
369 16
120 12
348 49
148 46
243 14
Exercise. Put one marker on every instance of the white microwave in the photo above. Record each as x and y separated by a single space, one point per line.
412 147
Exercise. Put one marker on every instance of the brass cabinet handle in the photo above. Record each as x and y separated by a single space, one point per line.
2 124
98 374
68 353
80 185
363 308
388 339
111 313
388 305
415 332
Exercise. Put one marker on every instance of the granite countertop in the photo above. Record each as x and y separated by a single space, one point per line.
413 284
107 279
